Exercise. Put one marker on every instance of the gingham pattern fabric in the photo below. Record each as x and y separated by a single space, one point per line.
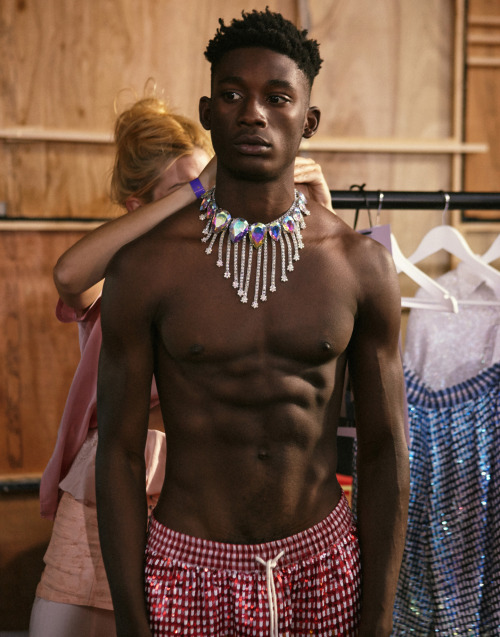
198 587
449 582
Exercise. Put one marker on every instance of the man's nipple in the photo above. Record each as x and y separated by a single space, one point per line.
326 346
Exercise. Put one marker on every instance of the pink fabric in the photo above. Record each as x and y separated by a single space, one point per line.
80 412
80 479
74 571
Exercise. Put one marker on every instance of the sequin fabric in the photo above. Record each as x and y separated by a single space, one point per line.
446 348
198 587
449 582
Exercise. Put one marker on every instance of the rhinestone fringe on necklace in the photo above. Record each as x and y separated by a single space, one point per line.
243 239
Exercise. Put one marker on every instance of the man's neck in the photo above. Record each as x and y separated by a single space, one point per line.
255 201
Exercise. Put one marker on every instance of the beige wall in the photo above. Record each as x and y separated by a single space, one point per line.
389 73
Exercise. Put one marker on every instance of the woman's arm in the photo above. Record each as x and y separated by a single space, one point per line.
79 271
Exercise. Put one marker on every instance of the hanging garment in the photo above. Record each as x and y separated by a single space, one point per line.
449 582
445 348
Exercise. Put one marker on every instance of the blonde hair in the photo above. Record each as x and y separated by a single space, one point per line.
149 138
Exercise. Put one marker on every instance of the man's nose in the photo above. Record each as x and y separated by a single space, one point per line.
252 113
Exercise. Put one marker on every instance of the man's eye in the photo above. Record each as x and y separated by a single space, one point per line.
231 96
278 99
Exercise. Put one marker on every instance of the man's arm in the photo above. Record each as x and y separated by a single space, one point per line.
124 387
382 464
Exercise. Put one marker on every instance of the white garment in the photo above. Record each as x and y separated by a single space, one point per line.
54 619
445 348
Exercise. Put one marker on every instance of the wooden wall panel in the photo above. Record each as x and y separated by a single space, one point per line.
63 65
23 539
61 180
38 354
387 74
482 172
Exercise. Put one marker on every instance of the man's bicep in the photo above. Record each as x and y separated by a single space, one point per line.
374 356
125 365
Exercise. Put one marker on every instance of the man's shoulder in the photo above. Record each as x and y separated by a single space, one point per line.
331 227
180 226
368 261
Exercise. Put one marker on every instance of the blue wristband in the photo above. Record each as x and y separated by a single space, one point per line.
197 187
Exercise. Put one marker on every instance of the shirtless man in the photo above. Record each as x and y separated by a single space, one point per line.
251 534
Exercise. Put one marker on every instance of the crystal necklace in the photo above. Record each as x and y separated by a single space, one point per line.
243 239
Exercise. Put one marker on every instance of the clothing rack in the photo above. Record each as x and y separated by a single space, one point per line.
355 198
359 198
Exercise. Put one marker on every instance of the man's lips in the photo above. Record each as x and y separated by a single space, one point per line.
251 144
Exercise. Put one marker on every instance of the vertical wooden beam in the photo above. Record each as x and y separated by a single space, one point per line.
458 99
304 14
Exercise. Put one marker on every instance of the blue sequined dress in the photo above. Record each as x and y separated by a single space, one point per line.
449 582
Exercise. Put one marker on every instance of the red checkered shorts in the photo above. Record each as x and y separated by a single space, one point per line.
306 584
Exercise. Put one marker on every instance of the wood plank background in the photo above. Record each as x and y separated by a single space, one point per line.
483 98
388 72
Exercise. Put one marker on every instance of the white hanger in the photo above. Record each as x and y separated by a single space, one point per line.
493 252
440 299
445 237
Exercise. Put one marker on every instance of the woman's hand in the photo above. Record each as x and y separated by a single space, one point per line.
207 175
309 173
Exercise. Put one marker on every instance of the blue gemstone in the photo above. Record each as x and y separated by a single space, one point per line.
275 230
238 229
288 224
257 234
211 209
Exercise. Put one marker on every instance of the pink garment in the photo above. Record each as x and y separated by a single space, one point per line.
80 411
80 479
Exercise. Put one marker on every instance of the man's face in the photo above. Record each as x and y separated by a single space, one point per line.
257 113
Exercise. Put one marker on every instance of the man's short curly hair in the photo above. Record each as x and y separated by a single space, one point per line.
271 31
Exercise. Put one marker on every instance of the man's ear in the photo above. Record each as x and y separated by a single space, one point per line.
132 203
312 121
205 112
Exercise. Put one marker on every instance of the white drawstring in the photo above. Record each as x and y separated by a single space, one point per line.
271 593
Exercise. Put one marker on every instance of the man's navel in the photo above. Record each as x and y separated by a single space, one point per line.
196 349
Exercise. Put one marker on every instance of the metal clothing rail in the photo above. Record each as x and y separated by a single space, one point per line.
356 198
419 200
19 485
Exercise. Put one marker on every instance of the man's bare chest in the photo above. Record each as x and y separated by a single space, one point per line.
307 318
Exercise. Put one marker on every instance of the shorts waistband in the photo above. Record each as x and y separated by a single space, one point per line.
164 543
